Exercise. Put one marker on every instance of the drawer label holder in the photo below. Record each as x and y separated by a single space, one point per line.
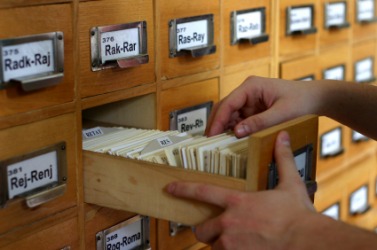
304 159
34 62
192 120
333 211
300 20
365 11
248 26
336 15
331 143
191 36
38 177
119 46
335 73
364 70
358 201
133 233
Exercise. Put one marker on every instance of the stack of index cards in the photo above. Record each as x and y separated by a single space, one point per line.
223 154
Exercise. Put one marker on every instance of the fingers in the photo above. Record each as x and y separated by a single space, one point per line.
288 174
201 192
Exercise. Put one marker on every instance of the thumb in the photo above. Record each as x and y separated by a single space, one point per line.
288 174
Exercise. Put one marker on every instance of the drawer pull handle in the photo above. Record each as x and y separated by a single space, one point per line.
255 40
45 196
132 62
372 20
30 84
370 80
201 51
304 32
339 26
361 211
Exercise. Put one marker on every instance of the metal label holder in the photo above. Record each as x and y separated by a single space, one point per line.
363 209
174 114
309 178
145 227
252 40
334 67
127 62
337 152
338 26
358 140
311 30
43 80
196 51
306 78
337 204
369 21
42 194
370 80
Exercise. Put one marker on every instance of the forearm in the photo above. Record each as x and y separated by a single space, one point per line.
354 105
317 231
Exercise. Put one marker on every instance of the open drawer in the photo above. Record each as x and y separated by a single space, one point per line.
138 186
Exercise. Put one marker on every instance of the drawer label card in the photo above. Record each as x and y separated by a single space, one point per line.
364 70
122 45
92 132
249 24
365 10
358 137
333 211
335 73
35 61
359 200
119 44
33 173
331 143
130 234
192 120
41 174
336 14
192 34
299 19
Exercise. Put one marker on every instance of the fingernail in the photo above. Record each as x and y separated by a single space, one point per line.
284 138
171 187
242 130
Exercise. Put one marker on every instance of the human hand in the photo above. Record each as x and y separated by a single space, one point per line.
259 103
253 220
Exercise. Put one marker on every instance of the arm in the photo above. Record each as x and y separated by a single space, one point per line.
262 102
283 218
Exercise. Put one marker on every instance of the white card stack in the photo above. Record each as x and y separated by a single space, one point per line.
223 154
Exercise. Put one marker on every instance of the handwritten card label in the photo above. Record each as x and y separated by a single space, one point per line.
335 73
364 70
336 14
359 200
365 10
331 142
299 19
249 24
333 211
192 34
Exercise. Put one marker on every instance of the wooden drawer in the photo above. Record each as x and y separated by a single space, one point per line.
235 77
365 29
362 51
25 139
39 20
330 195
98 219
186 96
171 67
334 22
300 69
138 186
300 42
334 61
63 235
252 47
113 12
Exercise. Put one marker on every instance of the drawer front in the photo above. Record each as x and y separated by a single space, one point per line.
294 40
300 69
170 67
365 27
39 20
98 219
64 235
186 96
329 199
251 37
113 13
334 22
335 64
232 80
364 66
23 140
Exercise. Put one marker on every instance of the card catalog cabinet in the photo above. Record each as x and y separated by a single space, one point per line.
30 22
